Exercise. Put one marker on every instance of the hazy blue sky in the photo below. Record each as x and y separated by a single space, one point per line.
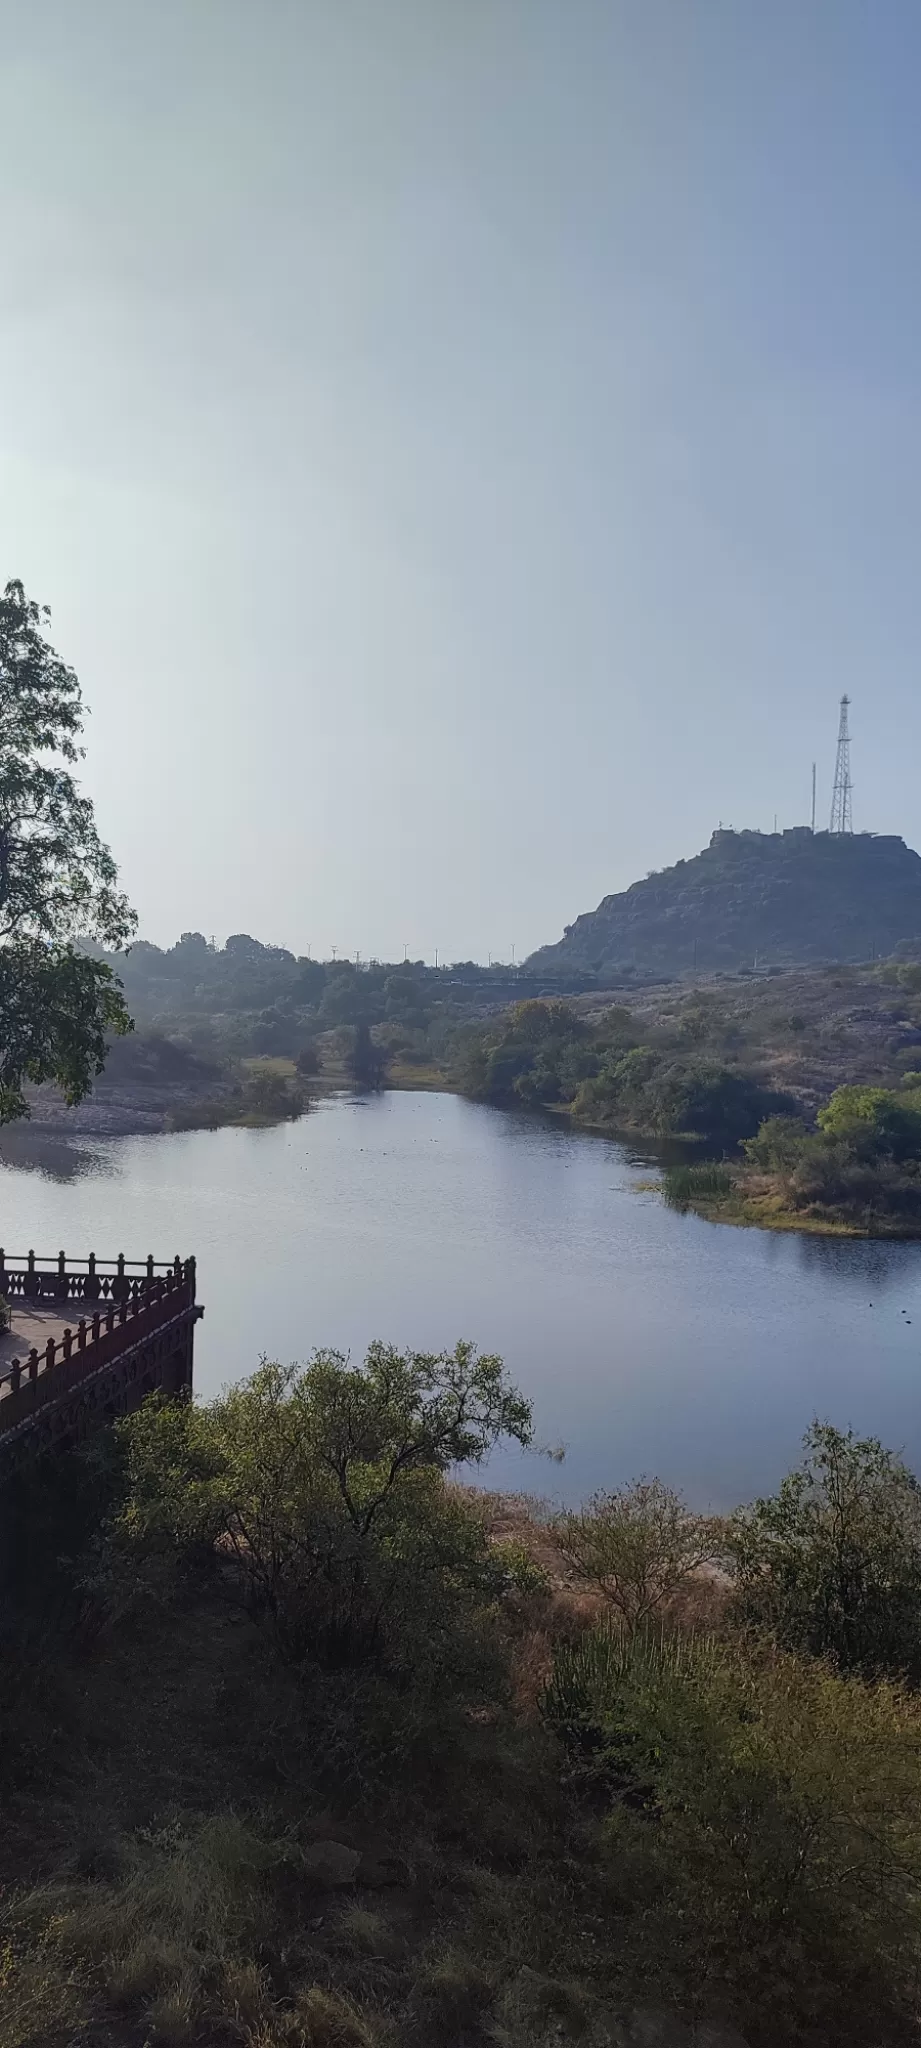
467 445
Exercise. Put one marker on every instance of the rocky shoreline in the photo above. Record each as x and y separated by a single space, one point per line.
129 1111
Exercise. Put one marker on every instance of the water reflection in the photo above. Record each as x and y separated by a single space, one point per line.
866 1265
60 1159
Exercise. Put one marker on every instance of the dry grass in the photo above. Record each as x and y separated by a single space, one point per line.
155 1890
170 1935
539 1622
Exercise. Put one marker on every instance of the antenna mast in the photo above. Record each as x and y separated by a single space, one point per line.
841 820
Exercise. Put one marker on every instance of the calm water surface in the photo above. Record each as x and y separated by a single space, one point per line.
648 1341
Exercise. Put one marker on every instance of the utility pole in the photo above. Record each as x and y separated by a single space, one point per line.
813 797
841 819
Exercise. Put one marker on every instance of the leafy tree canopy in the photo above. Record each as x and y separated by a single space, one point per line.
58 880
323 1482
831 1564
885 1123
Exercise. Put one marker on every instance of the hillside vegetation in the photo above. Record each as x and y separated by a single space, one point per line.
299 1749
709 1059
782 898
704 1066
858 1168
609 1071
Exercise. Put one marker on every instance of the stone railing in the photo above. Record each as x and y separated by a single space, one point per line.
32 1277
142 1308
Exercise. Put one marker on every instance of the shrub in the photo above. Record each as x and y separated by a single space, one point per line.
325 1485
638 1546
366 1060
540 1018
706 1181
716 1103
875 1121
270 1097
540 1084
764 1831
831 1564
672 1095
836 1174
778 1143
263 1098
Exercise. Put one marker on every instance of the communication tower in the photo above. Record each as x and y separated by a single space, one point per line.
841 819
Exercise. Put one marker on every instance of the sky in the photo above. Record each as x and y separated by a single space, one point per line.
467 446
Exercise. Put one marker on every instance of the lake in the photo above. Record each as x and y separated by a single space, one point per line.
648 1341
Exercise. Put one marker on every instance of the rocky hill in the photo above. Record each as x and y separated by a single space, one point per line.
753 898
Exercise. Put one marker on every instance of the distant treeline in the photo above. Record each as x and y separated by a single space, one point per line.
246 998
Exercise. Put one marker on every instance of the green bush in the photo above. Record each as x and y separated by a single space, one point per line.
777 1145
638 1546
323 1485
831 1564
668 1094
835 1174
764 1830
876 1122
270 1096
862 1164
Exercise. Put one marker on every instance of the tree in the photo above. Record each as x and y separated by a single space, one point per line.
831 1564
539 1018
874 1121
366 1062
58 881
716 1103
324 1484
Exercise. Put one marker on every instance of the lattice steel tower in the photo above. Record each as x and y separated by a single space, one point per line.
841 819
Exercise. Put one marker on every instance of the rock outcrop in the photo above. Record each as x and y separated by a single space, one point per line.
753 898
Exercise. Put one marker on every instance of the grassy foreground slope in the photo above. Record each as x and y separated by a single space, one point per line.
305 1747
